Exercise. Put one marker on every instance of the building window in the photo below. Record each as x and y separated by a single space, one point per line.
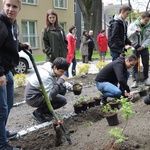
75 8
63 24
63 4
30 2
29 33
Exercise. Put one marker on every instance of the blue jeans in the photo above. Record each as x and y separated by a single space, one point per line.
114 55
6 103
108 89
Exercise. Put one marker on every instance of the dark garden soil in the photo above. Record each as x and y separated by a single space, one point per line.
88 130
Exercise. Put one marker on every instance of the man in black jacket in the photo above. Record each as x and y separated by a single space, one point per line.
114 73
117 33
9 58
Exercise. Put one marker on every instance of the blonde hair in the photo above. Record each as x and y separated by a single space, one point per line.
19 2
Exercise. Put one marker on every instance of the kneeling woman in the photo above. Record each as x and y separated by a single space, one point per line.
112 74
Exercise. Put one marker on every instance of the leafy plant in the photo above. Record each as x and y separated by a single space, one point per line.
83 69
100 65
127 112
107 109
19 80
100 93
79 101
117 133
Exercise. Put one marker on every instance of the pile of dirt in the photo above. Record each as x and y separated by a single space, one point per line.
88 130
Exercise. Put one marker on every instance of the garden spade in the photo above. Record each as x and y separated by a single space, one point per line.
139 76
48 102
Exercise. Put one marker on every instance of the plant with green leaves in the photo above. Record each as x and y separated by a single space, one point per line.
19 80
79 100
127 112
108 110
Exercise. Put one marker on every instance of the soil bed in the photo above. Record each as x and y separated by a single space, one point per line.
88 130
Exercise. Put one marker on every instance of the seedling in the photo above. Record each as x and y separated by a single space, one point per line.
107 109
118 133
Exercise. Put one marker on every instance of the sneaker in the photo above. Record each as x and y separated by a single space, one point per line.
39 117
48 117
8 147
11 135
134 85
147 82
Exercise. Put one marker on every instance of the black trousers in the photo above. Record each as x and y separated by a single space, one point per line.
90 53
144 54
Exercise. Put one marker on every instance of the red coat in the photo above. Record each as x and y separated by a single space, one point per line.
102 42
71 47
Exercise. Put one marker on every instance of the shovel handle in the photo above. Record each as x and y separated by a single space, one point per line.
139 68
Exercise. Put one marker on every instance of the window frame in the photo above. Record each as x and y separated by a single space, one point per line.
36 2
28 35
58 7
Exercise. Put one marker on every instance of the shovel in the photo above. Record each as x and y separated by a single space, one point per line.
48 102
139 76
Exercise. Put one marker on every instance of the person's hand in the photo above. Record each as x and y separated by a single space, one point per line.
26 44
128 46
140 48
3 80
138 30
129 95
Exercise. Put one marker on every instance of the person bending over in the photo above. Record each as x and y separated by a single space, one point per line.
52 75
112 74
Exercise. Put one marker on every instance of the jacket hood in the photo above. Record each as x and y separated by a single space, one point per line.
138 22
117 17
48 67
4 18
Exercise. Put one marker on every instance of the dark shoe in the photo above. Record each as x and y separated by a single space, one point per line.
39 117
48 117
8 147
11 135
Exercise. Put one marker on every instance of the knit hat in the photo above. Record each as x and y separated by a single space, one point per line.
71 28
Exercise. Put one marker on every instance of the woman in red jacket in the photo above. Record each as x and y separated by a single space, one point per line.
71 38
102 42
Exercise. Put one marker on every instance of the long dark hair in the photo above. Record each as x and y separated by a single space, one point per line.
51 12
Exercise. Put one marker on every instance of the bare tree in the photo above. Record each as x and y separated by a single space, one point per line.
147 5
92 15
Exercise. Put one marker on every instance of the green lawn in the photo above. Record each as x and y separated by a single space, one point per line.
41 58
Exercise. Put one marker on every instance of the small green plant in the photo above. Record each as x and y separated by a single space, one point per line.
79 101
100 94
19 80
127 112
83 69
107 109
100 65
117 133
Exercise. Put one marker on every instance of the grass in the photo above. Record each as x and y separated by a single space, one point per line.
41 58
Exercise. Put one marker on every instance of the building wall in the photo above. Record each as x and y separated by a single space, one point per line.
38 13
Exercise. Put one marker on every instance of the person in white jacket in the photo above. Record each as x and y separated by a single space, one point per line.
52 75
139 34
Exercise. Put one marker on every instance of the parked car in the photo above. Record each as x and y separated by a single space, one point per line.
24 63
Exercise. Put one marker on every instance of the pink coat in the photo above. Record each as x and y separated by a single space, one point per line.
102 42
71 47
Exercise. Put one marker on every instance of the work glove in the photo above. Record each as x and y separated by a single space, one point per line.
68 86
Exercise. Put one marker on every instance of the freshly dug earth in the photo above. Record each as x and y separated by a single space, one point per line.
88 130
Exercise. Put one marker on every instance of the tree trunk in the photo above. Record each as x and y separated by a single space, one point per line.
92 15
